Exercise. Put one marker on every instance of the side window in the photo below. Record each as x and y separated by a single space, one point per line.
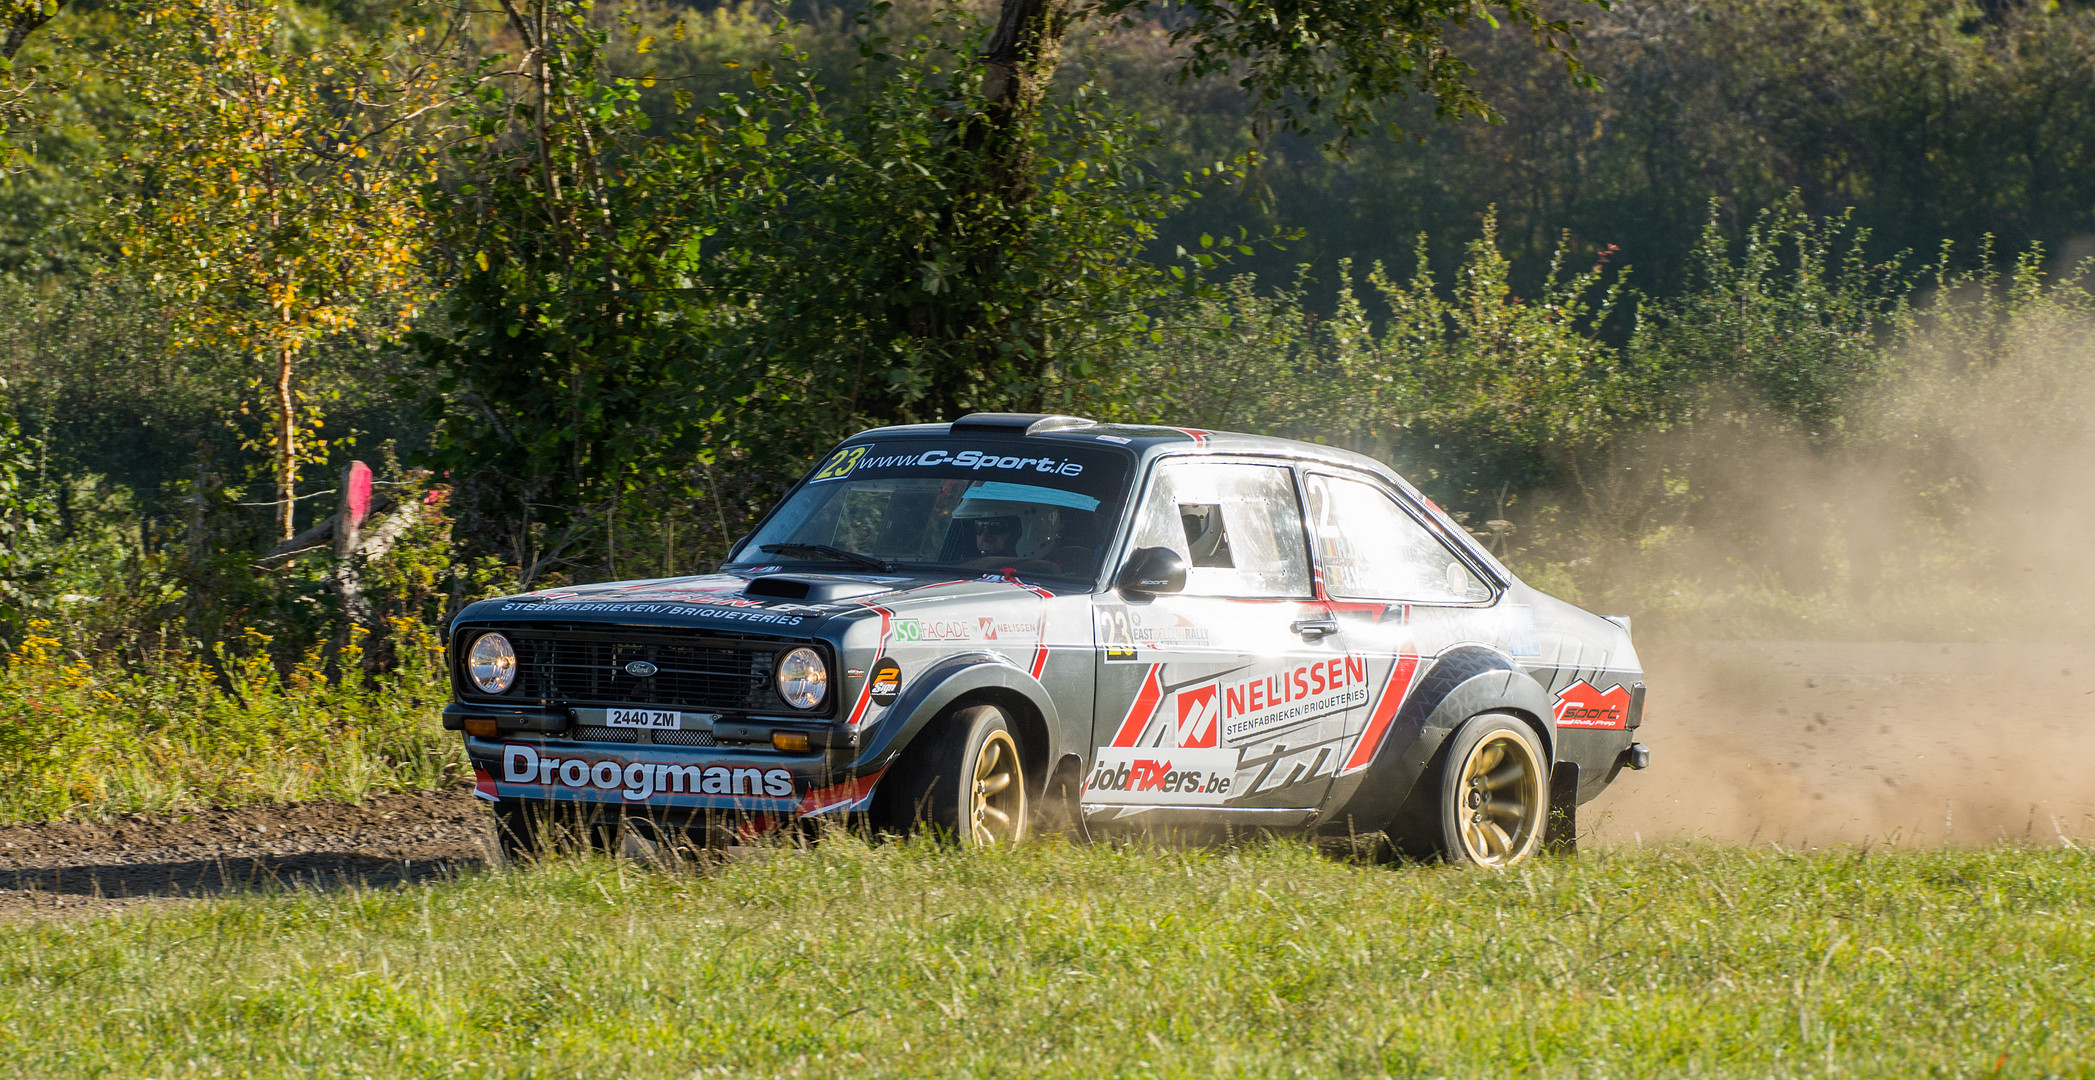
1238 527
1371 549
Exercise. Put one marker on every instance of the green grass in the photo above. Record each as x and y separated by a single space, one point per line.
1267 960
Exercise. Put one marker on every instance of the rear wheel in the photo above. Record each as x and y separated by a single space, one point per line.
1486 801
965 779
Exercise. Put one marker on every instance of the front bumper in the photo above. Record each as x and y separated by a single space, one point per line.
639 777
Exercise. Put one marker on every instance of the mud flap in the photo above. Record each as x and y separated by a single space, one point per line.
1060 812
1561 835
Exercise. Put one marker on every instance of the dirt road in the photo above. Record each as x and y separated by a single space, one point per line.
65 868
1818 743
1804 744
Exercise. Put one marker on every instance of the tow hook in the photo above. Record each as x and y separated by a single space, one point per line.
1637 756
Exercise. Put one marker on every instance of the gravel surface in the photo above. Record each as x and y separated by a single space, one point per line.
78 868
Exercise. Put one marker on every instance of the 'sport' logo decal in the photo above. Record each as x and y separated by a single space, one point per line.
1583 705
886 683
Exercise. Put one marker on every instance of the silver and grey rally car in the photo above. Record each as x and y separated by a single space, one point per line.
1016 618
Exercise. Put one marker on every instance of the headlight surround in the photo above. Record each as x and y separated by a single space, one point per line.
491 663
802 678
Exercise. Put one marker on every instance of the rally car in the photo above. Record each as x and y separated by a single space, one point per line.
1013 619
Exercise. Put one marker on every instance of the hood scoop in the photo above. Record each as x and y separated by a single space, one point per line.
812 588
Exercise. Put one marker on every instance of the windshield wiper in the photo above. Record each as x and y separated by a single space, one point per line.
825 551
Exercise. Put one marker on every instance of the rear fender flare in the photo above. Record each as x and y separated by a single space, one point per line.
1461 683
931 691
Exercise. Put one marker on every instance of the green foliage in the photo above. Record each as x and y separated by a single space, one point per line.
24 519
1051 960
897 276
19 75
1800 331
578 361
1931 120
780 267
1472 389
269 197
1308 64
219 604
96 738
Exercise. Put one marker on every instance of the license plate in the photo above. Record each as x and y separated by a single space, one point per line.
652 719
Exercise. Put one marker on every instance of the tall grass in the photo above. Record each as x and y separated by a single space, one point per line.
908 960
82 737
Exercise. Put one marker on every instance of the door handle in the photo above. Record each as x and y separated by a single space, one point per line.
1312 629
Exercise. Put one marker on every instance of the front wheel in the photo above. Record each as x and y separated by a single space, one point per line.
519 831
1490 794
965 780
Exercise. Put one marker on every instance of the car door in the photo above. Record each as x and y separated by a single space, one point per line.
1231 696
1402 597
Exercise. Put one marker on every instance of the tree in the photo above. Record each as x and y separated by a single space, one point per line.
579 359
18 20
21 18
272 194
1304 63
791 261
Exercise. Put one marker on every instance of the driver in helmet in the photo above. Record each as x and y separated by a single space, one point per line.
996 537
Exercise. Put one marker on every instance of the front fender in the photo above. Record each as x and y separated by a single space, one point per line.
1461 683
940 685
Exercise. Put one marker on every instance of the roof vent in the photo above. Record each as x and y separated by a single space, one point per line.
1013 423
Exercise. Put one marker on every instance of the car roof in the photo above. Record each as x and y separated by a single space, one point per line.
1149 441
1146 440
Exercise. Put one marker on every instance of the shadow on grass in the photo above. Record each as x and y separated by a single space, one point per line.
194 878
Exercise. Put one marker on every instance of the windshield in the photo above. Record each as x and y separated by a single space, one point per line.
965 504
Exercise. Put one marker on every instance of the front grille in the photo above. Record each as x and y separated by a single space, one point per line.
592 733
588 667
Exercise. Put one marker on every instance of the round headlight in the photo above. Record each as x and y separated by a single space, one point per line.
491 663
803 679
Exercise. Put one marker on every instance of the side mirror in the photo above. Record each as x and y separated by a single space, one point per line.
1152 570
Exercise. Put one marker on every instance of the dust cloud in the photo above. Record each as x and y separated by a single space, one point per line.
1886 641
1811 744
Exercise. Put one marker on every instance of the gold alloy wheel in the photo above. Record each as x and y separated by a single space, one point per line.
997 800
1501 800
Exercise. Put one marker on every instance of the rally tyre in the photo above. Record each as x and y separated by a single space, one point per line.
1490 793
963 780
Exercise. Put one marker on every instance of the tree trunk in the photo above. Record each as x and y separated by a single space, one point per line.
286 448
22 20
1019 63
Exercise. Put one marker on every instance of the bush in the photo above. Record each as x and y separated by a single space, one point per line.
83 737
